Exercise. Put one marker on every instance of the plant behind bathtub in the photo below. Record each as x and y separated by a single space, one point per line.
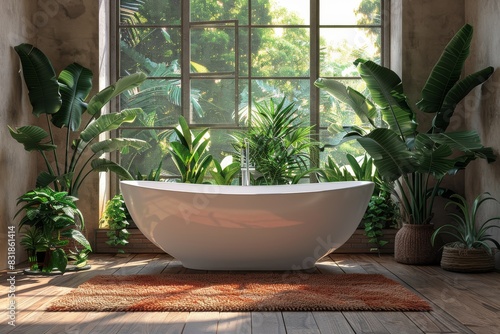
190 152
279 144
382 212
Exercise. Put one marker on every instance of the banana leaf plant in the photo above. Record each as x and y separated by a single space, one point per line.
64 100
415 160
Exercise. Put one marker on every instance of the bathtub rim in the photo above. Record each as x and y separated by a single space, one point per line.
300 188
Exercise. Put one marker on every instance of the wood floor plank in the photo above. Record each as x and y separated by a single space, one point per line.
300 323
332 323
79 322
235 322
462 303
156 265
398 323
201 323
347 264
365 322
268 323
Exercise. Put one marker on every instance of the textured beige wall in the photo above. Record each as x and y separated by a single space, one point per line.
483 105
17 167
72 35
66 31
420 29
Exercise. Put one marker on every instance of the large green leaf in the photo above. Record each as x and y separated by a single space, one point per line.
40 78
467 142
108 122
58 260
447 71
386 89
432 158
115 144
76 83
31 136
458 92
78 237
390 155
105 165
98 101
361 105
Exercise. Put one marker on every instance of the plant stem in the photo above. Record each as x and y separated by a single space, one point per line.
53 143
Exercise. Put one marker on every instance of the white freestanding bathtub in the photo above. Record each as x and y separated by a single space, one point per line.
209 227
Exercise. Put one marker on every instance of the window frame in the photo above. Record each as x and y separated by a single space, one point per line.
186 76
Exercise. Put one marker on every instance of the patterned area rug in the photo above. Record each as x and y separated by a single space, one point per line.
226 292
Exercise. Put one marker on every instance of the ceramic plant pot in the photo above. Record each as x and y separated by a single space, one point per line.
475 260
412 245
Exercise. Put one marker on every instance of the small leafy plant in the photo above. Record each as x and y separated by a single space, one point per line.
33 242
56 217
225 171
116 216
468 232
381 213
189 153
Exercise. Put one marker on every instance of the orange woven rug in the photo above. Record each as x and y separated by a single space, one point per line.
240 292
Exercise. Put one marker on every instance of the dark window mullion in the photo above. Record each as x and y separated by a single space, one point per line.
185 61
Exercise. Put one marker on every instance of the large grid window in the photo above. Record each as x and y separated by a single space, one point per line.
209 60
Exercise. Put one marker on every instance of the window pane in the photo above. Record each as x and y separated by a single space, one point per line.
216 100
146 161
296 90
280 52
341 46
221 143
213 49
154 51
150 12
159 99
333 111
278 12
220 10
338 154
352 12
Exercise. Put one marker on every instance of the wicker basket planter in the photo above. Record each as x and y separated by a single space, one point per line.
467 260
412 245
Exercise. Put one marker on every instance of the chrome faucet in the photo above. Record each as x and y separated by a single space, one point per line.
245 164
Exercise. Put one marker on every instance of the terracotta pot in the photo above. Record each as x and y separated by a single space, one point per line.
412 245
467 260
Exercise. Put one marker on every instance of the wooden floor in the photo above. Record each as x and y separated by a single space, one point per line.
462 303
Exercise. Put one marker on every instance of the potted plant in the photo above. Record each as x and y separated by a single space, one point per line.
53 219
35 243
416 161
471 250
279 144
63 100
116 218
382 211
189 152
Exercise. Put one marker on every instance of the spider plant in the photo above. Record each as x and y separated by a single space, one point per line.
468 232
